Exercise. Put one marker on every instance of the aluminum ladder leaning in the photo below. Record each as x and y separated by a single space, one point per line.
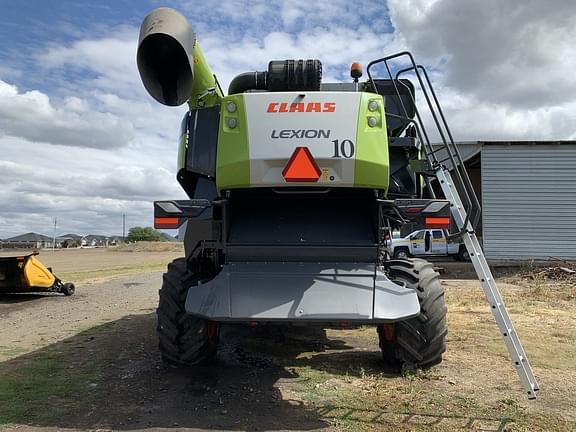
499 311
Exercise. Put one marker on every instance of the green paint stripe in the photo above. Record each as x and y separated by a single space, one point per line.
233 158
183 144
204 80
372 166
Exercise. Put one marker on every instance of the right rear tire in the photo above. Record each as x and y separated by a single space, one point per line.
421 340
184 339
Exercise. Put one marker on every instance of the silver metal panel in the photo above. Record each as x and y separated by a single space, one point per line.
210 299
393 302
270 150
246 291
529 201
179 41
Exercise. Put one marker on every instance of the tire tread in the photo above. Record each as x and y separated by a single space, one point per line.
419 341
182 338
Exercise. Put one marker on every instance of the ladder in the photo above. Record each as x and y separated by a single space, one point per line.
446 165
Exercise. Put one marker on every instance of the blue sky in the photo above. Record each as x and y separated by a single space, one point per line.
81 140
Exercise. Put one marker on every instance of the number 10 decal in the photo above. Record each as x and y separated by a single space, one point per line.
344 148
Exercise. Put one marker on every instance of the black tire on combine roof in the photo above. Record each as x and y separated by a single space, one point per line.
417 342
184 339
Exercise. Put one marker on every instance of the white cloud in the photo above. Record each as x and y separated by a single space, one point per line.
7 72
291 15
508 64
336 48
75 104
471 119
115 148
89 147
516 52
84 200
31 115
107 63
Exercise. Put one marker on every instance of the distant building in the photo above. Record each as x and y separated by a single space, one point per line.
68 241
114 240
28 241
528 194
93 240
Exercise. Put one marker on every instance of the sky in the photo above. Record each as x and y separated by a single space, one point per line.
81 141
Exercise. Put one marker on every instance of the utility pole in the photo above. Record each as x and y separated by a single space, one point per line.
54 237
123 227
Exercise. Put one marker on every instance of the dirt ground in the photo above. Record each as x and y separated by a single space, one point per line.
89 362
78 262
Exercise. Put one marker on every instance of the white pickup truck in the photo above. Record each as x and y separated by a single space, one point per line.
428 242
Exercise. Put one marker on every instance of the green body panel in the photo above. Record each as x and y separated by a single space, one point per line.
205 90
183 143
182 149
372 167
232 156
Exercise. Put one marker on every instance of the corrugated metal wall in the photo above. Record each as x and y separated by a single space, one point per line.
529 201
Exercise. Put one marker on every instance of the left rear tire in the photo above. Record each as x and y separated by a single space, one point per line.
184 339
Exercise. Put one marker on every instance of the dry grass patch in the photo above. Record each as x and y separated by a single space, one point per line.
476 386
149 246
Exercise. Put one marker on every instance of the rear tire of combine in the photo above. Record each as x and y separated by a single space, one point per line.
420 341
184 339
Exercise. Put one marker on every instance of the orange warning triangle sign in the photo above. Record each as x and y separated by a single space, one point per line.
301 167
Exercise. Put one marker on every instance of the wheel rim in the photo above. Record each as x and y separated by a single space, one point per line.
401 254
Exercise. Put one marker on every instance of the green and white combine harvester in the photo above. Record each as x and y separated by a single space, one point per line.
295 186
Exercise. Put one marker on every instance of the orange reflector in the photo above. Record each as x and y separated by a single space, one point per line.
166 222
438 222
413 209
301 167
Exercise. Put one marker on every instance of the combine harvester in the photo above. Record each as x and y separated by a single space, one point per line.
295 186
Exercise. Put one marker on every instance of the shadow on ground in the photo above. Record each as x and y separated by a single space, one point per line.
23 297
111 376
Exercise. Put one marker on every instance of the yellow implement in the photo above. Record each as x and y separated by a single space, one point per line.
25 273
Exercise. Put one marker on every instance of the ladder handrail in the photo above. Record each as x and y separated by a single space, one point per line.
458 163
470 200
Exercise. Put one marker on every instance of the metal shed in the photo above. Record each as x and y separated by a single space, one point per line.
528 195
529 199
